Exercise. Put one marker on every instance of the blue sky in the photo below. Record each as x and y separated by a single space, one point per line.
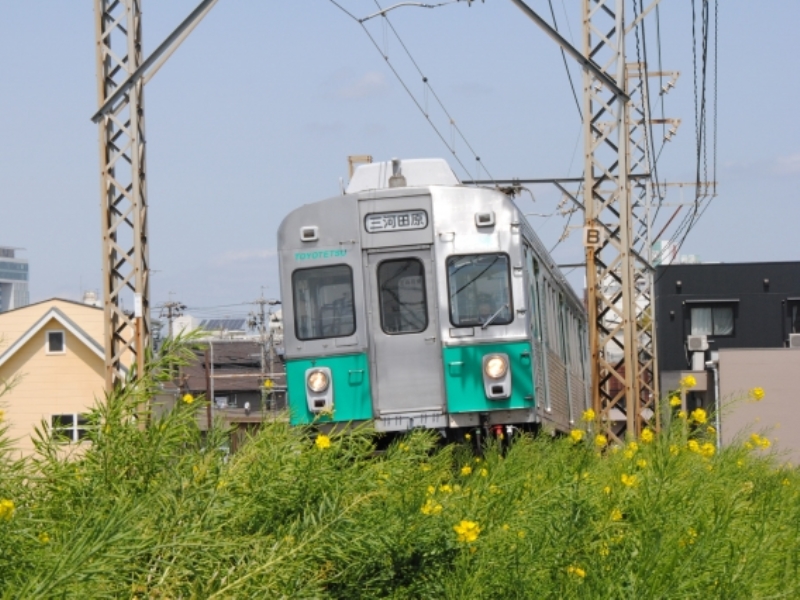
258 110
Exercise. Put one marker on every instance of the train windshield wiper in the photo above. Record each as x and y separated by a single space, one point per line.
494 316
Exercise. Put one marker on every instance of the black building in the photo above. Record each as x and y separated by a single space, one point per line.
734 305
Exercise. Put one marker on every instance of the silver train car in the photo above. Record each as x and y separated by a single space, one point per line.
415 301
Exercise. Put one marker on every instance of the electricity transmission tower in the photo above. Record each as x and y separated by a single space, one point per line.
618 164
121 76
618 246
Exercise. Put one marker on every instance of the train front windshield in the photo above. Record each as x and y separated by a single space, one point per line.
323 302
479 289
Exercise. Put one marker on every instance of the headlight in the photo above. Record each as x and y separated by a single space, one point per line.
495 367
318 381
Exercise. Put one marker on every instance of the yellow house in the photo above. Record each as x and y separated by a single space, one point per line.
54 351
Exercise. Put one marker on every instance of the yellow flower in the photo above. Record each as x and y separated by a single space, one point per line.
467 531
44 538
604 549
757 394
628 480
607 490
446 489
785 482
641 463
688 382
699 416
431 490
477 459
693 446
616 515
484 472
681 414
520 534
758 441
708 449
577 435
6 509
431 508
467 436
647 435
425 467
466 470
493 489
674 401
404 447
506 527
711 430
600 440
323 441
588 415
674 450
188 398
577 571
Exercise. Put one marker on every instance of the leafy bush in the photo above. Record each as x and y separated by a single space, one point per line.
160 512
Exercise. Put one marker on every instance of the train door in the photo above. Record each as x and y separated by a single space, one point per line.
406 346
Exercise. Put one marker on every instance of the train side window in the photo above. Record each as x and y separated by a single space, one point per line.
401 289
794 315
323 302
479 287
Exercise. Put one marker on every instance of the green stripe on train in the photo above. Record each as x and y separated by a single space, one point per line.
352 400
463 376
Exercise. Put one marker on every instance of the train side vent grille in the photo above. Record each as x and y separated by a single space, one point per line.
309 234
484 219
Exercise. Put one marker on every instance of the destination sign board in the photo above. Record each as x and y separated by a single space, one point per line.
396 221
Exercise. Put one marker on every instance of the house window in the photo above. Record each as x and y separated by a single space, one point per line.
712 320
69 428
55 342
794 316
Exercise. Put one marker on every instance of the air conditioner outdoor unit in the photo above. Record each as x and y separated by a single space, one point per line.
697 343
794 340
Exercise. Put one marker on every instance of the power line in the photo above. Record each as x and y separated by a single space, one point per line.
426 83
564 58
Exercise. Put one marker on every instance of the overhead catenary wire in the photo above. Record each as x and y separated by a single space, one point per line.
426 83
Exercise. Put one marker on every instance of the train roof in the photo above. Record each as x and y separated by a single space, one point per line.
419 172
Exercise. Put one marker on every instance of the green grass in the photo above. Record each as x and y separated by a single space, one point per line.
156 512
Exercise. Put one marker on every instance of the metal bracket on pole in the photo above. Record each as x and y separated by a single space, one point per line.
584 61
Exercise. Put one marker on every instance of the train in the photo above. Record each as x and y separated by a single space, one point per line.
412 300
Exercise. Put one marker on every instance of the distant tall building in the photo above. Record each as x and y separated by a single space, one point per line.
13 280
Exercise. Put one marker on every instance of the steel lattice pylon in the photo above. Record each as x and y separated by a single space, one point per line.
123 189
619 273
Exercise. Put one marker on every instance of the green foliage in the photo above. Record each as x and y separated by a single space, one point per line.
153 509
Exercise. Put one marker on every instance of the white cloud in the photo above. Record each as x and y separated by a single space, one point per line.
788 165
372 83
233 257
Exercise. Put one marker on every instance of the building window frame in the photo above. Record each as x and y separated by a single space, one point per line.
793 314
718 321
48 347
69 428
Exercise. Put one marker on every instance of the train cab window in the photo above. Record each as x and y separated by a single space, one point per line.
479 287
323 302
401 286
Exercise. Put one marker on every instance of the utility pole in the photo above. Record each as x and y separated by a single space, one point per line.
174 310
260 321
121 75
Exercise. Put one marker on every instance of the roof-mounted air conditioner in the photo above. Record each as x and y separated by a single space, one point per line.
697 343
794 340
